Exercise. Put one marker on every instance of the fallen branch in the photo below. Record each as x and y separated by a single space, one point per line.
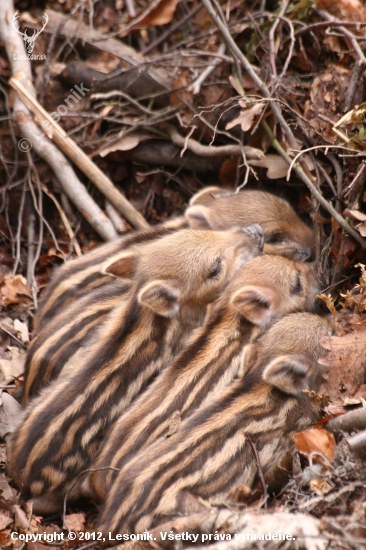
72 29
77 155
75 190
238 54
349 422
357 443
211 151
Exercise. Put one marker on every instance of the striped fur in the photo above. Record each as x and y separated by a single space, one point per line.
72 331
209 456
284 232
65 315
66 301
265 289
282 227
84 275
175 278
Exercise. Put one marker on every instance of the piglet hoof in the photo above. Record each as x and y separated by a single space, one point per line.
256 232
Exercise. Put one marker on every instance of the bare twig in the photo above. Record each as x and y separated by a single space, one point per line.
19 230
77 155
349 422
357 443
319 197
354 83
346 32
115 218
210 151
19 342
338 171
20 65
195 87
272 52
64 220
250 70
30 255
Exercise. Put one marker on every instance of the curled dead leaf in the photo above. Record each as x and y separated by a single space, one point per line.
10 413
319 445
349 10
21 521
246 117
75 522
4 520
14 291
126 143
12 366
276 166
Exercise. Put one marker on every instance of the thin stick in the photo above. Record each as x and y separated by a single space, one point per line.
346 32
319 197
21 66
237 53
211 151
77 155
260 471
64 220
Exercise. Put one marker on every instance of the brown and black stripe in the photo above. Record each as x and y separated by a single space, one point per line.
209 363
74 330
209 456
63 427
84 275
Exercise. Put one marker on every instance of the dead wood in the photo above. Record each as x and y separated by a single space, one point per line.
77 155
71 29
211 151
37 139
135 82
164 153
349 422
357 443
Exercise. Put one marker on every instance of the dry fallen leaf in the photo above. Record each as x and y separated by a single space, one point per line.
21 521
276 166
22 330
75 522
160 15
158 12
10 412
316 444
349 10
4 520
5 540
14 291
246 117
359 216
126 143
13 366
347 360
5 489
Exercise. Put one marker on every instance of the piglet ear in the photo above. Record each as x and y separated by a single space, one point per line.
204 194
257 304
199 217
124 265
288 373
161 296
